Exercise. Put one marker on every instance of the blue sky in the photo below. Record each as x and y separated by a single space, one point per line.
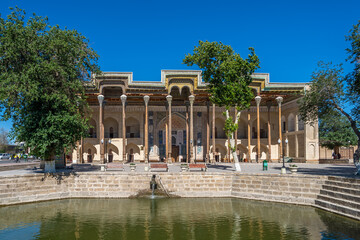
143 37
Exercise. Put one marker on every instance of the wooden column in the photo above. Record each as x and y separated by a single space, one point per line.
236 131
169 98
192 99
258 153
187 132
166 135
296 136
123 100
249 138
78 152
213 133
101 126
146 137
279 101
269 131
208 132
296 146
82 150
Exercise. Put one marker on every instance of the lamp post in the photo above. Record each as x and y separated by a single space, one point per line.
283 168
349 149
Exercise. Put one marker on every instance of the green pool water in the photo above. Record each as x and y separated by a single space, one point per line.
181 218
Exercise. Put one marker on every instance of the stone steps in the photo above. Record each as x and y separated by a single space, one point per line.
355 186
340 195
350 191
342 202
336 208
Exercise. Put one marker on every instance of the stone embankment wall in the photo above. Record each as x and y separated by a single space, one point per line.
298 189
295 189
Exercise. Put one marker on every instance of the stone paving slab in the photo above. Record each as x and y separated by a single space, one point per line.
344 170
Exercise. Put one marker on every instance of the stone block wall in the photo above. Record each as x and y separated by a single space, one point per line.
288 189
38 187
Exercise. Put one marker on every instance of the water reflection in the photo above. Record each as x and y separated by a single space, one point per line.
197 218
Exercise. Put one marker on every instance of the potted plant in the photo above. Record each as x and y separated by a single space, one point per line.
293 168
132 167
184 167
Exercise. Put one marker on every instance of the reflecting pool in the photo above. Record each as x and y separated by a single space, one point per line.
181 218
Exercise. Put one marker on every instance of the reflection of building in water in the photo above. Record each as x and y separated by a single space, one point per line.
190 218
195 129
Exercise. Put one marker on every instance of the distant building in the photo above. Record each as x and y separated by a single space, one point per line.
126 127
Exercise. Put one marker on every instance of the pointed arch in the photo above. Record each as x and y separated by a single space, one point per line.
242 151
263 128
219 128
111 124
264 151
291 122
92 129
132 128
90 152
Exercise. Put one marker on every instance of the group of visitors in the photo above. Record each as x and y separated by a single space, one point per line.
18 157
336 155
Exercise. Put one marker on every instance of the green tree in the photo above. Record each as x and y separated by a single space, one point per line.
333 93
43 70
335 131
4 140
228 76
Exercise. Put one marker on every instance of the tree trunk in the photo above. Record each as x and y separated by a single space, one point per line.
356 159
232 143
50 164
357 132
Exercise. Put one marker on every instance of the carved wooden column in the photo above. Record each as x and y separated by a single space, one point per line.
101 125
258 100
169 98
82 150
213 133
249 137
146 137
279 101
78 152
192 99
269 131
123 101
166 131
296 136
187 132
208 132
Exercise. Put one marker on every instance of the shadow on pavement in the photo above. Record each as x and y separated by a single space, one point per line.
220 167
341 171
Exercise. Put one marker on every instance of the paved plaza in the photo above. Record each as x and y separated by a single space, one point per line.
345 170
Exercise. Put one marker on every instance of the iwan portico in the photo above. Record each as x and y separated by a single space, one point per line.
173 120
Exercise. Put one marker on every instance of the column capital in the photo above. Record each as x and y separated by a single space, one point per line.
279 100
100 99
146 99
257 100
123 98
191 99
169 98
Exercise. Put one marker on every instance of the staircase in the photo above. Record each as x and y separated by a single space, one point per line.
340 195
